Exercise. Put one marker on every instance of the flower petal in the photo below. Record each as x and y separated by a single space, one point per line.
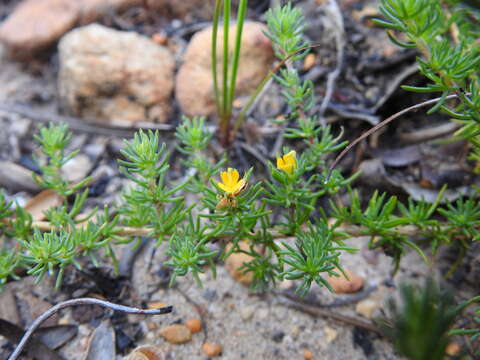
235 175
224 176
239 186
224 187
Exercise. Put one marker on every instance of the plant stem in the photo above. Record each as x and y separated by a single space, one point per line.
380 125
242 9
225 58
216 17
243 114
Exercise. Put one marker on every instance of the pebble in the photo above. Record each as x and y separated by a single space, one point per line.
147 352
77 168
330 334
152 325
160 38
246 312
35 25
176 334
307 354
212 349
368 307
9 310
194 324
234 264
278 336
31 307
262 314
309 61
210 295
453 349
342 285
295 332
15 178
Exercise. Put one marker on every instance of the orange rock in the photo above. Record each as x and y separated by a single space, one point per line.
176 334
307 354
309 61
37 24
160 39
453 349
234 264
342 285
147 352
212 349
194 324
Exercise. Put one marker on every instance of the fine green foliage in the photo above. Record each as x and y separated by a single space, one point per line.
473 333
290 221
237 211
53 141
445 33
50 252
151 201
420 322
285 28
315 255
9 261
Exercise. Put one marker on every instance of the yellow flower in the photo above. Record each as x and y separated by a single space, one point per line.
232 184
287 162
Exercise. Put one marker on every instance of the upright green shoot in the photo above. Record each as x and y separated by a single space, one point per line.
225 95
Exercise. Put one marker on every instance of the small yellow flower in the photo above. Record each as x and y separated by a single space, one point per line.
287 162
232 184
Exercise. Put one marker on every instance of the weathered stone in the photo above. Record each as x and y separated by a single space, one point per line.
194 82
342 285
114 76
212 349
31 307
9 310
330 334
246 312
234 265
307 354
176 334
368 307
37 24
77 168
147 352
194 325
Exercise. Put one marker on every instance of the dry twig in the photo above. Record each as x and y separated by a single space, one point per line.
82 301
